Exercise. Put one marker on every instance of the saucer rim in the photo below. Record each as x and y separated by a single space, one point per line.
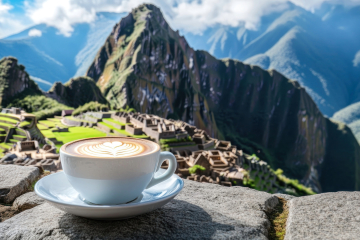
129 205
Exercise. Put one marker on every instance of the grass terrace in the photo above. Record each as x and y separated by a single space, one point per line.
116 122
24 123
10 120
74 133
123 131
6 124
50 123
5 145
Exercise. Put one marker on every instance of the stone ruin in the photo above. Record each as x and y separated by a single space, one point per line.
13 110
28 153
224 164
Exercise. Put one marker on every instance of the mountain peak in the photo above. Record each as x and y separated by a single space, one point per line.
150 67
14 80
76 92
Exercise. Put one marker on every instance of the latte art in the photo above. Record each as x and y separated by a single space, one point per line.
109 149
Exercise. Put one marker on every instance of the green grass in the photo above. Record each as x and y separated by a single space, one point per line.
8 120
114 121
300 189
38 104
48 133
194 168
175 140
19 136
4 145
58 146
122 131
24 123
42 127
91 106
6 124
51 124
48 123
278 217
76 133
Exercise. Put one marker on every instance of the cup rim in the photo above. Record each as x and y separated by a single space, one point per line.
63 147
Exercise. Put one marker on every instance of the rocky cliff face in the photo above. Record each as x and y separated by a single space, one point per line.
14 80
76 92
147 65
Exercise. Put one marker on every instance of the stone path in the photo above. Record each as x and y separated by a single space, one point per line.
15 180
324 216
200 211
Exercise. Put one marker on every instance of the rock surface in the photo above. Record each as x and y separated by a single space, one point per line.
324 216
201 211
27 201
15 180
287 197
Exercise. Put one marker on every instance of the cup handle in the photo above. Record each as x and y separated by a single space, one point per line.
169 172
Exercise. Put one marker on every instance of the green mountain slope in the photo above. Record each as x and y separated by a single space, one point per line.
148 66
18 90
14 80
76 92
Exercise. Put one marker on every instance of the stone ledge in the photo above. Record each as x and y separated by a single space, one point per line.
15 180
324 216
200 211
27 201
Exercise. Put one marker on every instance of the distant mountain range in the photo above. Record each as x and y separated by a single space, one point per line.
53 57
320 50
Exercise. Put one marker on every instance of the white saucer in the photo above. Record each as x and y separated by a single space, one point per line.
58 192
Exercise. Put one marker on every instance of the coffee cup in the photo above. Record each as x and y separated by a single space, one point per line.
114 170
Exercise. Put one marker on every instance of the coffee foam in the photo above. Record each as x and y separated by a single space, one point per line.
110 147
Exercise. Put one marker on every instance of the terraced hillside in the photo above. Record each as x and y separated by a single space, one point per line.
12 130
150 67
200 157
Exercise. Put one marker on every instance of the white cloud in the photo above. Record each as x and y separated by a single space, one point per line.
311 5
35 33
8 22
188 15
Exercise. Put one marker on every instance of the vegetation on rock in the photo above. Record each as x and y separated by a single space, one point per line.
194 168
91 106
77 92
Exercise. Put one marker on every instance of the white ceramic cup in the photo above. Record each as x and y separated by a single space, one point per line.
110 181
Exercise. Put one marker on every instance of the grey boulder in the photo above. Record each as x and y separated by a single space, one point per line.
27 201
15 180
200 211
324 216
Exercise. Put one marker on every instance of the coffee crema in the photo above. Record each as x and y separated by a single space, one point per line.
109 147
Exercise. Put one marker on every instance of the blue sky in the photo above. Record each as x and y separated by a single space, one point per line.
189 15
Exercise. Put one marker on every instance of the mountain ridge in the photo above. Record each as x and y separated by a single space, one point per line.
150 67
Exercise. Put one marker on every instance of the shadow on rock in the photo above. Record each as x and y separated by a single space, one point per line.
177 219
